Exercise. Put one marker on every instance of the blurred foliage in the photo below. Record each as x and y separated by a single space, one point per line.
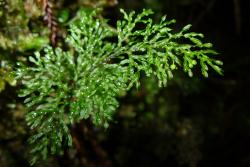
17 36
16 33
98 3
6 76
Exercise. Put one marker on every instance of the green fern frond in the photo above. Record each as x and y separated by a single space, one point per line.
64 87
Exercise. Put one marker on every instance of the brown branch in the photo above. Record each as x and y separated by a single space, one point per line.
50 20
78 142
89 150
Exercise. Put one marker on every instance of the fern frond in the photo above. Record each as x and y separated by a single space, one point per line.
64 87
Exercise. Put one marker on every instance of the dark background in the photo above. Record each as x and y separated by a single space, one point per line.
193 122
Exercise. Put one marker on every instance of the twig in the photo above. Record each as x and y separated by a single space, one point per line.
50 21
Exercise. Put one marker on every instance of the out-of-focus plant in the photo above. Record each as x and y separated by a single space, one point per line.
99 3
6 76
17 35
